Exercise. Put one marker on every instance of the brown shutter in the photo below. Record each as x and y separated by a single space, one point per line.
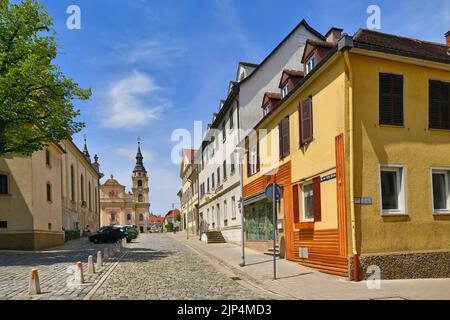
306 121
439 105
391 99
247 151
295 206
258 161
286 138
317 200
280 137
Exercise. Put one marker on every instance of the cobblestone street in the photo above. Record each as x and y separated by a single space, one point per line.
52 265
157 267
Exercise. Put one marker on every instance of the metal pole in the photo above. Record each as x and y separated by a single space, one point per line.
241 168
274 206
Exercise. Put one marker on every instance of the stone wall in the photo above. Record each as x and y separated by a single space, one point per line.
414 265
30 241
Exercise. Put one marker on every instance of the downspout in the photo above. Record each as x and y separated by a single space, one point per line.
346 44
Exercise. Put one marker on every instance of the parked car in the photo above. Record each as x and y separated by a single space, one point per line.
110 234
133 232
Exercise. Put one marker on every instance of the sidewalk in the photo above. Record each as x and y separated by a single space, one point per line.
299 282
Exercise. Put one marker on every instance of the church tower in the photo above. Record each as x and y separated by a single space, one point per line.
141 192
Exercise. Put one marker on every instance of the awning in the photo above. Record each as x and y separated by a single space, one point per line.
255 198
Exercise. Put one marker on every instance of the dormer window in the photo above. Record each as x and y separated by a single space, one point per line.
266 110
310 65
286 90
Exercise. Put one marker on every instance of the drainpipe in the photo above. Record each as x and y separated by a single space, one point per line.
345 44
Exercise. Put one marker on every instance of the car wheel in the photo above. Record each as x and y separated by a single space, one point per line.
96 241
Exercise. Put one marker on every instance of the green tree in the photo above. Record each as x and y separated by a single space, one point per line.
36 98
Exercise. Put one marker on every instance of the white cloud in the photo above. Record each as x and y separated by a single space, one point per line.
128 105
130 153
155 52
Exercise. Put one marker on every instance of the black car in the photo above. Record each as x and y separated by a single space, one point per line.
133 232
109 234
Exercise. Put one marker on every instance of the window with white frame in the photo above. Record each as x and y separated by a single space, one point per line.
311 64
308 203
233 208
285 90
392 183
253 159
440 190
266 110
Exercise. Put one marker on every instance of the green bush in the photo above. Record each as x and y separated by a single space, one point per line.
169 226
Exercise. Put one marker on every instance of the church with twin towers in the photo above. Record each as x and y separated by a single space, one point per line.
119 207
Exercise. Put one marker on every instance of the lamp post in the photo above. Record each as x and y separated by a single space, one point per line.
241 152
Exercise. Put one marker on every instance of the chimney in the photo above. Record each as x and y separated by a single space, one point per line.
447 38
334 35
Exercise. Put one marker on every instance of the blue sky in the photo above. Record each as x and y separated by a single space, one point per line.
155 66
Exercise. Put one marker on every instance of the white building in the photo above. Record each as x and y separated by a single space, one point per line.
220 173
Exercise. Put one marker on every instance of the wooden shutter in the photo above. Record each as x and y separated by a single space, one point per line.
391 99
295 205
439 105
317 200
306 122
286 138
247 148
258 160
280 138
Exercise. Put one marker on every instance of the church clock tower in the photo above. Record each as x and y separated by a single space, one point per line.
141 192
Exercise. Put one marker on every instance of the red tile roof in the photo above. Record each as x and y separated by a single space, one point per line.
172 214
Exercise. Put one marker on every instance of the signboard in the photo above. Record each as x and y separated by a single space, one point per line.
364 201
328 178
278 192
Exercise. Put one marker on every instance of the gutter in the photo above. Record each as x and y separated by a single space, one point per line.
345 45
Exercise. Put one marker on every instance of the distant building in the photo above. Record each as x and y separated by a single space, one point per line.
189 192
44 196
171 218
120 207
155 223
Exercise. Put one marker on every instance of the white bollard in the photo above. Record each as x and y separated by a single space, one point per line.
35 286
106 253
99 260
124 243
91 267
79 278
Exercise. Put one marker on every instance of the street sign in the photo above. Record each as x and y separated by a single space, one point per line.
278 192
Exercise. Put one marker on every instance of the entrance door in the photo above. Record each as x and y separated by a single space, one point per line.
142 229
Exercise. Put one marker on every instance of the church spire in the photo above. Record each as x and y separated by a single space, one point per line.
85 151
139 159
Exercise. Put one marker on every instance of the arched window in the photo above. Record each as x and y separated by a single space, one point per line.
82 188
49 192
113 217
140 183
72 183
141 198
141 217
129 217
3 184
90 196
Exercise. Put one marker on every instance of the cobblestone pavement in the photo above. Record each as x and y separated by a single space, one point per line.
52 265
157 267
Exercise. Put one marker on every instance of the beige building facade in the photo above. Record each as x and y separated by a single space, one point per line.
119 207
189 193
33 192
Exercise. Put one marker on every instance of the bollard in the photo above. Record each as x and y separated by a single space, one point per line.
105 253
79 278
91 267
124 243
35 287
99 260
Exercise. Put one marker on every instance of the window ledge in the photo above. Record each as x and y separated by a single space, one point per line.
438 130
391 126
394 214
441 213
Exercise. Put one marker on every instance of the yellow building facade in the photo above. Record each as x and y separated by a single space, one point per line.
369 175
